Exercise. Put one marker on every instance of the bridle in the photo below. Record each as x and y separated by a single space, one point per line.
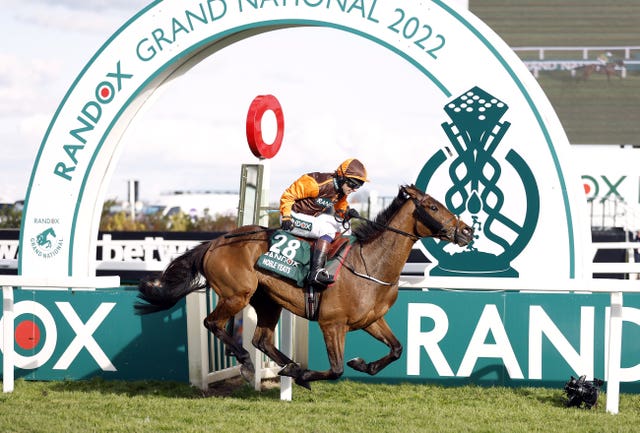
421 215
437 228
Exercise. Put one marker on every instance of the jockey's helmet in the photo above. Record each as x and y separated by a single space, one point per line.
353 170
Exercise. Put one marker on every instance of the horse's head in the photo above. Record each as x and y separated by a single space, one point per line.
433 219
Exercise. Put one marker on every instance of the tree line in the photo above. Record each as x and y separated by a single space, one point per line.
11 218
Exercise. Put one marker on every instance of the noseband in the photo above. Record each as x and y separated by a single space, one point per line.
437 228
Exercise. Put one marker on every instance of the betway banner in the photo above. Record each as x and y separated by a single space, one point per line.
499 338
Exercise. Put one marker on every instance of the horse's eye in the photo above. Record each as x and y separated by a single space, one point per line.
434 207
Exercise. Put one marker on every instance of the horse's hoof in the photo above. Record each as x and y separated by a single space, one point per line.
248 365
358 364
303 383
247 372
291 370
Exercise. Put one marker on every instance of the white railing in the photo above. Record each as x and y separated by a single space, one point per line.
583 51
585 56
9 282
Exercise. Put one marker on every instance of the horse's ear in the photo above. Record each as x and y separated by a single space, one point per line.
410 191
404 193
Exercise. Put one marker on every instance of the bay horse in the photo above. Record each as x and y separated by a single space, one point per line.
609 69
363 292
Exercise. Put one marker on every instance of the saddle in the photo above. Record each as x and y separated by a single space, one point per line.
289 257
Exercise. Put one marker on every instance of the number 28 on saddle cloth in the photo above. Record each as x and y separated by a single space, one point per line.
290 257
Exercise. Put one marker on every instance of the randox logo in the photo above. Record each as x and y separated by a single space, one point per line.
46 244
476 191
302 225
592 188
37 334
88 118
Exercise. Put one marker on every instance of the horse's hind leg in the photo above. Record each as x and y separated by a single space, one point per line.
216 322
268 314
379 330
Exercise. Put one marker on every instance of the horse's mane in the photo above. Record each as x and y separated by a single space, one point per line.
369 230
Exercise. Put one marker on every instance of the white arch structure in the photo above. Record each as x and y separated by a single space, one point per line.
164 40
452 49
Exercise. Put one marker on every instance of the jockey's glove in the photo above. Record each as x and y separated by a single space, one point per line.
352 213
286 224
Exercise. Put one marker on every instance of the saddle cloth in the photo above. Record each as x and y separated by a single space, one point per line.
289 256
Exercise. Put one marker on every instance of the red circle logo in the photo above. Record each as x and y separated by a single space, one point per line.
105 92
260 105
27 335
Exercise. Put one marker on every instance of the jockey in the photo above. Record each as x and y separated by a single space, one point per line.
605 58
305 210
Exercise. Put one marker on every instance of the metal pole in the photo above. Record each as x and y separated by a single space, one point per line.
286 343
8 316
614 353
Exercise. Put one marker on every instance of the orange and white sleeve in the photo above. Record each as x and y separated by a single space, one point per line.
304 187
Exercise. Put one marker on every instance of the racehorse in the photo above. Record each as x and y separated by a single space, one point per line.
363 292
609 69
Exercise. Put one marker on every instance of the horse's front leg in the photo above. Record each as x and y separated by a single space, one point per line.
379 330
334 337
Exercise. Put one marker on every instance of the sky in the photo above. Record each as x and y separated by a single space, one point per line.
192 137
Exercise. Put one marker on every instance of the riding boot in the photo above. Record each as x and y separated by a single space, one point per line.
318 274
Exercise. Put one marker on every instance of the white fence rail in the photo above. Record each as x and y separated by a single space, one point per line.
583 56
9 282
584 52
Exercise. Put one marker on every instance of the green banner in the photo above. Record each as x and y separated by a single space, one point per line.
496 338
78 335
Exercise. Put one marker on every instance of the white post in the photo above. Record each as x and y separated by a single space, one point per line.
286 347
264 194
197 344
301 341
8 316
614 351
249 322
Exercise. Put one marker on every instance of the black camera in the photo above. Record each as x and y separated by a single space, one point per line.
581 391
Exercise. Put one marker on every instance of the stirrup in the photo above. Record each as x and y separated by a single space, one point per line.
321 276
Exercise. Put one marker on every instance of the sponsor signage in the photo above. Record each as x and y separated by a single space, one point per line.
77 335
500 339
611 183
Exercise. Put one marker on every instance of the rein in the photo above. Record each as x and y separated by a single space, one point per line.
253 232
386 227
421 215
366 276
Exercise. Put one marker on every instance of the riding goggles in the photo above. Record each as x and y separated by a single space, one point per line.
353 183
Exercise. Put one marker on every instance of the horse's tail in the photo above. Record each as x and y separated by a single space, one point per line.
181 277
